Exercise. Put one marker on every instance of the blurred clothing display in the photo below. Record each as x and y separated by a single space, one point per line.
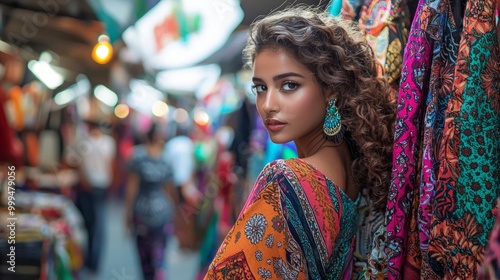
49 146
10 151
30 141
50 237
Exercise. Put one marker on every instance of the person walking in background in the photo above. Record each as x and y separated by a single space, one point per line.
96 175
148 206
316 83
179 153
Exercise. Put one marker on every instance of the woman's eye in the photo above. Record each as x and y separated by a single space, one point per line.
290 86
258 89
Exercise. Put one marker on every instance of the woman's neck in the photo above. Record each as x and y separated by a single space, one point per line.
312 143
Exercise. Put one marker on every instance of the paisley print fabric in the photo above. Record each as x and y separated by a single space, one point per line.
446 152
414 85
385 24
370 260
296 224
468 178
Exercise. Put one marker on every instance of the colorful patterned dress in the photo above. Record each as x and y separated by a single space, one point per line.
296 224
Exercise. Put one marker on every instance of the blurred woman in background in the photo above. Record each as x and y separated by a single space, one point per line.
149 209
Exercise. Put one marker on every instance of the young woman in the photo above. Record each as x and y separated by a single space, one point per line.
317 83
148 207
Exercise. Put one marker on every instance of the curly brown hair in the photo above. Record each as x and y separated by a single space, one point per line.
343 62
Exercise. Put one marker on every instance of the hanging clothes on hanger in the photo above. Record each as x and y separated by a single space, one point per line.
386 25
468 178
11 151
446 159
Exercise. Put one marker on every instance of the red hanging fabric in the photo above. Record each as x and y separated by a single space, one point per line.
10 148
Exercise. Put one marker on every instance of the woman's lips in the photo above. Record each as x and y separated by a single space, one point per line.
274 125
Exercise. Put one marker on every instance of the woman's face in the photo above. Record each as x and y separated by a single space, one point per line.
289 99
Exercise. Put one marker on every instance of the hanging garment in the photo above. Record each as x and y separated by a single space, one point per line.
385 24
468 178
16 96
48 143
31 147
414 83
11 151
370 259
446 160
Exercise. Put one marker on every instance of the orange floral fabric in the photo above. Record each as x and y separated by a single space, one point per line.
296 224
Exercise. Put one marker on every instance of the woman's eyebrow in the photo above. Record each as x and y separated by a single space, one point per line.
286 75
255 79
279 77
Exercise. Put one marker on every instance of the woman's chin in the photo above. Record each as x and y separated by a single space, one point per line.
279 140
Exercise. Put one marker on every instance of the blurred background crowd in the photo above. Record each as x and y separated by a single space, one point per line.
93 94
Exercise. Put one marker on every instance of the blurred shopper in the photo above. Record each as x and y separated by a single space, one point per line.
179 152
149 208
96 175
316 83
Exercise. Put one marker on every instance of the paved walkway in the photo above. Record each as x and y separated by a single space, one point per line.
120 259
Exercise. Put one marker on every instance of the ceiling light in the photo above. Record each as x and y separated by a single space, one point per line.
105 95
103 50
46 74
80 88
65 96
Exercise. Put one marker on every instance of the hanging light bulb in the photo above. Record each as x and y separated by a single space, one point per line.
103 50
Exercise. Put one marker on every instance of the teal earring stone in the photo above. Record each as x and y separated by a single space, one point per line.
332 128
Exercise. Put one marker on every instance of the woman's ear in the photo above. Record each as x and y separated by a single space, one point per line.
329 93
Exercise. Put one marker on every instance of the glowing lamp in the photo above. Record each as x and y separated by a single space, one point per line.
103 50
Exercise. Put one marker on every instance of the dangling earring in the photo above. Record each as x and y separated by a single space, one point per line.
332 128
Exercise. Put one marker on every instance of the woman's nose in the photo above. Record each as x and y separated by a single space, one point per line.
271 101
